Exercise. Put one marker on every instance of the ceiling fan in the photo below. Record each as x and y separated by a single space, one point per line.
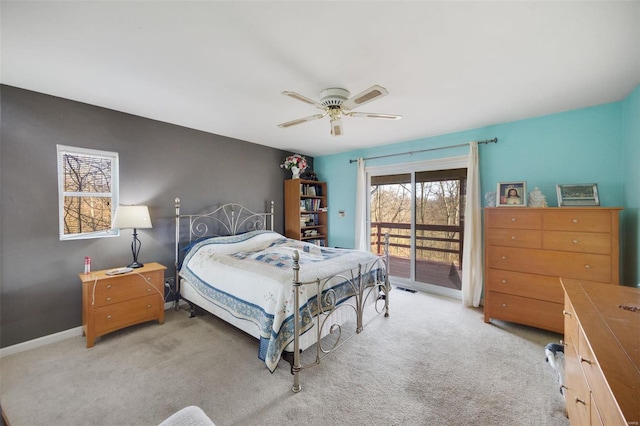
335 102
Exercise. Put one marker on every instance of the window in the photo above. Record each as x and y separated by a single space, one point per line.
87 192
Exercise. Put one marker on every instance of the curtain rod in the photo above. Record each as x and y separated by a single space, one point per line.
494 140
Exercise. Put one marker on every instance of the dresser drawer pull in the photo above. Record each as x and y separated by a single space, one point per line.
587 266
564 312
504 305
109 286
581 401
108 316
504 257
504 281
575 221
588 361
108 299
513 219
513 237
148 306
148 290
574 241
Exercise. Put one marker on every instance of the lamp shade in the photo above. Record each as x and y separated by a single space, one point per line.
128 217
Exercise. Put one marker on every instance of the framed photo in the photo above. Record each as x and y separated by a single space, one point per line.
582 194
511 194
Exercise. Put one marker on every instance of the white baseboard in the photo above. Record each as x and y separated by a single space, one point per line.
40 341
55 337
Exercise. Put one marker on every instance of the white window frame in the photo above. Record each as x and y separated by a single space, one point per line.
62 150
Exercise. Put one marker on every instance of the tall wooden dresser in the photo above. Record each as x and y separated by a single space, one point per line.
527 250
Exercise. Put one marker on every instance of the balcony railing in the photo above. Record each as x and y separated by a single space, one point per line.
426 235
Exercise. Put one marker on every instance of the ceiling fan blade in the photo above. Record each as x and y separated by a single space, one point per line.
373 115
336 127
304 99
301 120
371 94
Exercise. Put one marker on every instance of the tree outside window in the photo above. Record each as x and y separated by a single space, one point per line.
88 192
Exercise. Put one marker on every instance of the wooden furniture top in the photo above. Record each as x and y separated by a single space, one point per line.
613 334
101 275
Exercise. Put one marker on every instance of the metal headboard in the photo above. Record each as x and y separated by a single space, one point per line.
228 219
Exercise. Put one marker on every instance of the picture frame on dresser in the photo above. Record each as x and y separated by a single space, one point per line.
584 194
511 194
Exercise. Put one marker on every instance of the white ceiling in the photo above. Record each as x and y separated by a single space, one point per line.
219 66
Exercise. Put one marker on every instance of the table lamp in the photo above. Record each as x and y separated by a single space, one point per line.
133 217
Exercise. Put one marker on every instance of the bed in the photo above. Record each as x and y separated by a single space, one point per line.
290 295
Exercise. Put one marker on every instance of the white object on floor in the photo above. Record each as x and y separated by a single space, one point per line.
188 416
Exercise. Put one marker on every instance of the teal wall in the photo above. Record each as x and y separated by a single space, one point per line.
588 145
631 168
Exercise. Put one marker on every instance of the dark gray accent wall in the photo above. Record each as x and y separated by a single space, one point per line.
40 291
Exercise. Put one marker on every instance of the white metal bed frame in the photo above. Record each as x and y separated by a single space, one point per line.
369 282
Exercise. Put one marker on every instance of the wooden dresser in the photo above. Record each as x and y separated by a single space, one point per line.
602 353
112 302
528 249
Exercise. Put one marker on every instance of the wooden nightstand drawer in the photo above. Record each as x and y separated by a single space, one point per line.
128 286
114 317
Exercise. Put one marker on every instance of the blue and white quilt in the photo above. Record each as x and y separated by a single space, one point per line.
251 276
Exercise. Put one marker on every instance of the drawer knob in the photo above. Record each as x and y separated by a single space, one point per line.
566 312
108 299
588 361
513 237
148 290
587 266
580 401
109 286
108 316
575 221
504 305
504 257
513 219
574 241
504 281
148 306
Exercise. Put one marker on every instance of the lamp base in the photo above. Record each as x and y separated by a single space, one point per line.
135 265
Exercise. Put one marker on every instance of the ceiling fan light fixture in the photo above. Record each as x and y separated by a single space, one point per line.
336 127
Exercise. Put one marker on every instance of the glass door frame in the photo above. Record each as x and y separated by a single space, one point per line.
411 168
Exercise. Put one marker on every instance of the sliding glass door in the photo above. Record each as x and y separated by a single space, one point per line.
422 211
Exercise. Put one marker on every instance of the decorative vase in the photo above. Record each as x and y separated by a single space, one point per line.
295 173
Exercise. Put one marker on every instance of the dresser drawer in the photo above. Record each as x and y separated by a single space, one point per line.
515 238
570 327
583 242
523 310
577 220
513 218
125 287
577 396
541 287
113 317
592 267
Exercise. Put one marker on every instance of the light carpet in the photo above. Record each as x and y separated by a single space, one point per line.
432 362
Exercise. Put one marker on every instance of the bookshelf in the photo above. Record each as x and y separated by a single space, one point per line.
305 211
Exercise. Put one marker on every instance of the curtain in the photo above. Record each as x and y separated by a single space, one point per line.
361 208
472 250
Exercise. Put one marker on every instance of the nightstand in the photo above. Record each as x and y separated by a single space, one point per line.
112 302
